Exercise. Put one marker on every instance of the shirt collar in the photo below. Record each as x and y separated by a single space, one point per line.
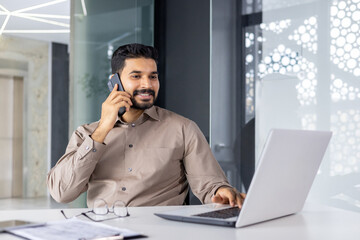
150 112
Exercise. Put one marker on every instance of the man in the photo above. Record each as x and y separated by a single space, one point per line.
148 156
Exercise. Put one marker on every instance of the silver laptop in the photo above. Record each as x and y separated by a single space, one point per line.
287 167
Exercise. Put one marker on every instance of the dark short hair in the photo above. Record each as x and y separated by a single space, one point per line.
133 50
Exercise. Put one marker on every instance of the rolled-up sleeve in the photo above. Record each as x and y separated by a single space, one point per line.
70 176
203 172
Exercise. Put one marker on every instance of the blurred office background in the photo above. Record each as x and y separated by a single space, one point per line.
237 68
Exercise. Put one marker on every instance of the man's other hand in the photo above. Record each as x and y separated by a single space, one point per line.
228 195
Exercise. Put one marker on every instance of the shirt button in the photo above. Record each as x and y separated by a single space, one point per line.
94 150
133 124
130 169
131 145
87 148
123 188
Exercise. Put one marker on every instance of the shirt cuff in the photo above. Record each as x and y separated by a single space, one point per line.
90 149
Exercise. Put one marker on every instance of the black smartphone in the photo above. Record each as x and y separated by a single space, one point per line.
115 79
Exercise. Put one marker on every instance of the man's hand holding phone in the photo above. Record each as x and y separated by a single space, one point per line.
109 112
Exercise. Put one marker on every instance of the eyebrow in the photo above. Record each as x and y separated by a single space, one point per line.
136 71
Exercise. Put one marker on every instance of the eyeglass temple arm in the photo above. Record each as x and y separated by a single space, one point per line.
63 213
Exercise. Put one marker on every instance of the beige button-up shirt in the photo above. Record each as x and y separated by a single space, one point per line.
151 161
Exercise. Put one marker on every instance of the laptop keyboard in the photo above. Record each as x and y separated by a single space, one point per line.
223 213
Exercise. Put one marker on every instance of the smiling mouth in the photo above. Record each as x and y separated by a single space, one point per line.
145 96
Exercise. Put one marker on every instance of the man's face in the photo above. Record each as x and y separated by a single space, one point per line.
139 77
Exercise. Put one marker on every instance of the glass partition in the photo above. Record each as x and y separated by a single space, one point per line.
98 28
307 77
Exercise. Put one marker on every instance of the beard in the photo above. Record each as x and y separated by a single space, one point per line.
145 104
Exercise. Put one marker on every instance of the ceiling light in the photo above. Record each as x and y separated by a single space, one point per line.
39 6
44 15
40 20
4 24
4 9
35 17
37 31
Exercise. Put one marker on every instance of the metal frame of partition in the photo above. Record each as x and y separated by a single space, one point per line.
246 127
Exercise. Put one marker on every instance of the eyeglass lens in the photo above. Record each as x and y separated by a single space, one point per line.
101 208
120 209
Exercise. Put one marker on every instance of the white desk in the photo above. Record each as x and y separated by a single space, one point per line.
314 222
